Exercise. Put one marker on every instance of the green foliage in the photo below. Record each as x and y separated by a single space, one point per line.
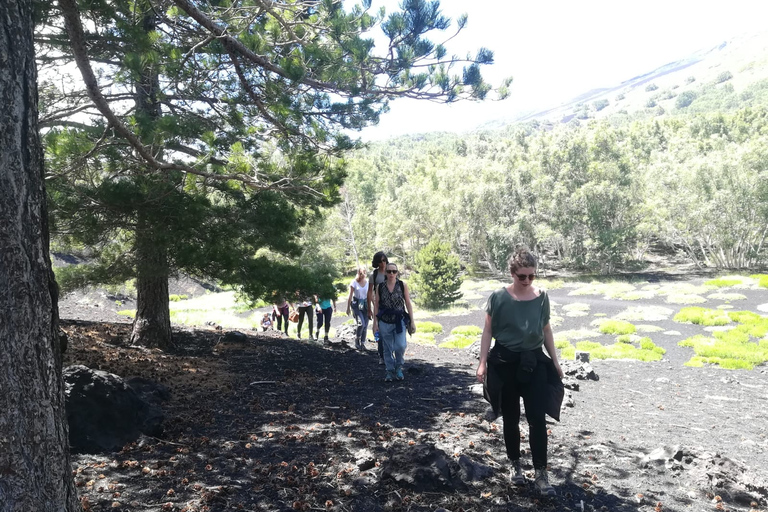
684 99
617 327
651 87
702 316
177 298
423 338
723 77
600 104
438 278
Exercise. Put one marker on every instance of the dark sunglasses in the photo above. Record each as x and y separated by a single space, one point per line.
523 277
391 271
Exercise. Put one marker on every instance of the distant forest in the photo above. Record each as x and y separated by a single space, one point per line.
597 195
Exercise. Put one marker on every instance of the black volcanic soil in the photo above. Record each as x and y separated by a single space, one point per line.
278 424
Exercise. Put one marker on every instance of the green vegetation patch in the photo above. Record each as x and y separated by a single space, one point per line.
726 297
702 316
567 350
429 327
685 298
423 338
551 284
642 350
458 341
177 298
610 290
467 330
723 282
645 314
555 320
726 351
617 327
762 280
130 313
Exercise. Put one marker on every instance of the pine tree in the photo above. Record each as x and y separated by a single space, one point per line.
438 277
204 136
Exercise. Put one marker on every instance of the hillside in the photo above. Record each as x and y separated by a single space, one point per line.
737 68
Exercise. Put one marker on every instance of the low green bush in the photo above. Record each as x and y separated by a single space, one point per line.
177 298
762 279
130 313
458 341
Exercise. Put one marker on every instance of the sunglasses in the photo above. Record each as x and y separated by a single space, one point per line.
523 277
391 271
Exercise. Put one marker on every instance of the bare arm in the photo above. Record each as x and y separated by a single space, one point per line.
485 346
370 301
349 299
409 307
549 345
375 311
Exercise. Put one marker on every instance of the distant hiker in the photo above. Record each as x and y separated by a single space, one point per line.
357 303
280 314
325 309
517 317
393 316
305 309
266 322
378 276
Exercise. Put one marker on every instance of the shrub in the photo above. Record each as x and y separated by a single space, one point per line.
458 341
684 99
438 278
617 327
723 77
651 87
600 104
690 79
762 279
177 298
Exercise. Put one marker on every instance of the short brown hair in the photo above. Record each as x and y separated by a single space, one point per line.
522 258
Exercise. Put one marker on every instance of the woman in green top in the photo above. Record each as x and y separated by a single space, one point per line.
517 317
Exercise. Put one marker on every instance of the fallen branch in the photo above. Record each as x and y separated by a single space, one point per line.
263 382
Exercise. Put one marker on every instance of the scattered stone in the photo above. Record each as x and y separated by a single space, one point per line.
104 412
423 468
662 380
234 337
472 471
579 370
365 460
582 356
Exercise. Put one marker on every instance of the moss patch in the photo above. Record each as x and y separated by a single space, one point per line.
733 348
642 350
762 280
429 327
683 298
576 334
458 341
702 316
723 282
726 297
467 330
423 338
617 327
648 328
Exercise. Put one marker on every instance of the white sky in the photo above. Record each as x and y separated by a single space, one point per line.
558 49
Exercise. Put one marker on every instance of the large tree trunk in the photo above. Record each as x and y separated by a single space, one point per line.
152 324
35 468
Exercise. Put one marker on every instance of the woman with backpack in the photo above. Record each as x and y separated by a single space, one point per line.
378 276
393 316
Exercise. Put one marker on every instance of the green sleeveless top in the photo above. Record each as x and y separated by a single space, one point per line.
518 325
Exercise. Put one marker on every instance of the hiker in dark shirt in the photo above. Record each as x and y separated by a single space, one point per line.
378 276
393 318
517 317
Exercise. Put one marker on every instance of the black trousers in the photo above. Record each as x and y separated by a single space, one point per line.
534 395
305 310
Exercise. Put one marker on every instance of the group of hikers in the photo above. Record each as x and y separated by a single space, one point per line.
516 317
381 298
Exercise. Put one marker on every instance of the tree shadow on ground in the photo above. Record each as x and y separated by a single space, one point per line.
279 424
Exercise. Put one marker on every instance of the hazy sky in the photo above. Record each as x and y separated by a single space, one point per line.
557 49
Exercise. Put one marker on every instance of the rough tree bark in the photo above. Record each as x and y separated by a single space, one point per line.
152 324
35 469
